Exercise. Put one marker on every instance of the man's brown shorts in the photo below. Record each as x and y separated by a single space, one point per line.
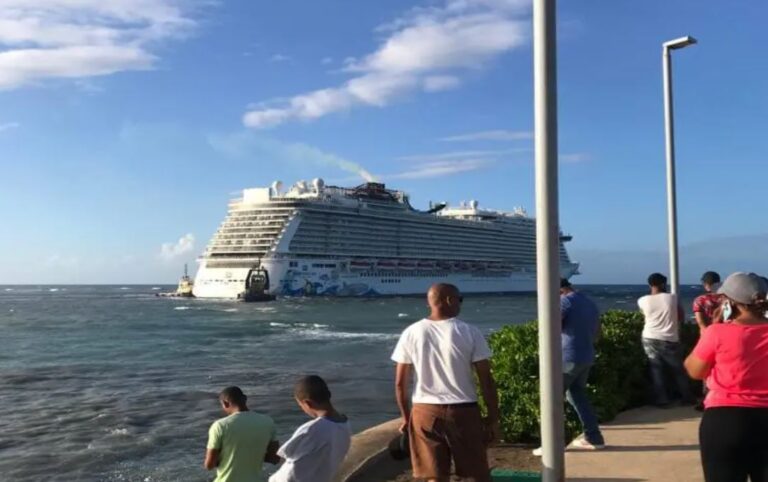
439 433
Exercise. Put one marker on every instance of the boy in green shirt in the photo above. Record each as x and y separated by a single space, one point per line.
239 443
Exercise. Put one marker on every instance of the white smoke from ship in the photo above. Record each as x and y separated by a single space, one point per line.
247 146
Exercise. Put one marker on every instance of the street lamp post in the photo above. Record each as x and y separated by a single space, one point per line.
547 240
669 132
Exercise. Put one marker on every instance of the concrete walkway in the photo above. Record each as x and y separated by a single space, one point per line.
644 445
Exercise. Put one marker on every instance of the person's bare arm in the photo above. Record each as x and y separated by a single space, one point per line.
271 456
700 321
211 459
402 382
697 368
488 389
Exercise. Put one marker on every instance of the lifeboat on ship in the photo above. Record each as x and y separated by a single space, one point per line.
386 264
360 264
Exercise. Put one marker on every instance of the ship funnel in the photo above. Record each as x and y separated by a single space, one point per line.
276 187
318 184
473 204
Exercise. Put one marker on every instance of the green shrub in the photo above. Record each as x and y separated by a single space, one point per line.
618 380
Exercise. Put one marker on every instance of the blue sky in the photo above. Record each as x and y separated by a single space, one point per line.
125 126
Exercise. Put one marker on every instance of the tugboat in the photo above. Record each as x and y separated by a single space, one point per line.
184 290
256 286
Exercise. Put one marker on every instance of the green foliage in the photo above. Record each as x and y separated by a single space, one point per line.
618 379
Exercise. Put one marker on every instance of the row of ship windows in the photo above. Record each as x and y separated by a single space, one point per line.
356 216
393 235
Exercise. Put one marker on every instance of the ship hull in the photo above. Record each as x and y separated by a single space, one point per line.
324 277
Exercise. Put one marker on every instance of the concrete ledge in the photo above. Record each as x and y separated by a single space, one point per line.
368 459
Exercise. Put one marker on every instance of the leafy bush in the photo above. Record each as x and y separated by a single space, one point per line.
619 378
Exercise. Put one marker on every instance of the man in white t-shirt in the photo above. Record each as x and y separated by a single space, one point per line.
444 424
316 449
661 340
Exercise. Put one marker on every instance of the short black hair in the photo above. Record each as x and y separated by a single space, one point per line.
233 395
564 283
710 277
312 388
657 280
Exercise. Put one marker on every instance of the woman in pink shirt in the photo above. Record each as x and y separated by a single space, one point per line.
733 359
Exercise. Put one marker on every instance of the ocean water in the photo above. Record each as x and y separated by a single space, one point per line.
110 383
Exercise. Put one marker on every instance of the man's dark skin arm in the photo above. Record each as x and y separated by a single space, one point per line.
402 382
271 456
211 459
488 389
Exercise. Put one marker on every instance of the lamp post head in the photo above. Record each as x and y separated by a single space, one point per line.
679 43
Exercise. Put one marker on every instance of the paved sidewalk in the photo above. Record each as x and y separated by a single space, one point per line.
644 445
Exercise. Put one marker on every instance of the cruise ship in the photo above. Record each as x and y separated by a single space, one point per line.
313 239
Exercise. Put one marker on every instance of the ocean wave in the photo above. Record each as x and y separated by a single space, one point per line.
403 315
118 431
230 310
53 290
182 308
276 324
317 334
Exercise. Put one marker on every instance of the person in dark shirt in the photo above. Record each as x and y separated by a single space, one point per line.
581 327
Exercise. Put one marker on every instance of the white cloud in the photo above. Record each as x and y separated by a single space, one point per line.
44 39
9 125
438 83
172 251
279 58
462 155
575 157
494 135
441 168
425 50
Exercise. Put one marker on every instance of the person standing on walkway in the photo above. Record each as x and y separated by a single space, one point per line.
581 327
239 443
661 340
733 359
705 305
444 424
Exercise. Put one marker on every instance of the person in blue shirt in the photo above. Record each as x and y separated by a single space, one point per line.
581 327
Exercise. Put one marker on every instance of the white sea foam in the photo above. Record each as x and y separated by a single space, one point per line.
276 324
230 310
182 308
403 315
343 335
156 288
53 290
9 289
124 288
119 431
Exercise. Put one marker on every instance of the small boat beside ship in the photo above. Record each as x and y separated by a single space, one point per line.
184 290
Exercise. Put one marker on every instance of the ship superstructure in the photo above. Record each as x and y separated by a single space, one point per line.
315 239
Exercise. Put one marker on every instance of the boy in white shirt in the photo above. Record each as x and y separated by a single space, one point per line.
317 448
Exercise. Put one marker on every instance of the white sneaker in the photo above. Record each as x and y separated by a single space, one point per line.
582 443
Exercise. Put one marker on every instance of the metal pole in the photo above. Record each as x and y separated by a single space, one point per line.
669 133
547 241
